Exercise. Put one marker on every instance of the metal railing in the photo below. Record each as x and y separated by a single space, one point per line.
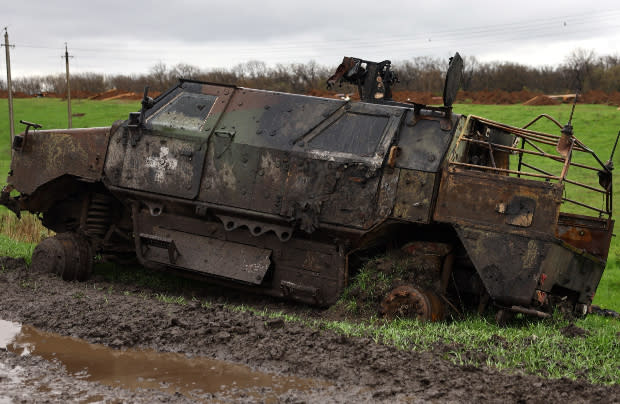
536 145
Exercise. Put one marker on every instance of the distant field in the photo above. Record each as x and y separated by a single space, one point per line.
595 125
51 113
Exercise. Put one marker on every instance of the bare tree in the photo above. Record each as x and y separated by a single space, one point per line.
159 74
580 63
28 85
470 68
183 70
582 69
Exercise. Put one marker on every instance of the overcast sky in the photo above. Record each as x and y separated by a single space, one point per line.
115 36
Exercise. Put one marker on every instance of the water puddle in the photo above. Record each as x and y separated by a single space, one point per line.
132 369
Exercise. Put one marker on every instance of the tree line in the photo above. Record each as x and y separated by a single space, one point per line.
581 71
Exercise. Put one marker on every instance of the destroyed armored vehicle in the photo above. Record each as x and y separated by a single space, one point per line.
282 194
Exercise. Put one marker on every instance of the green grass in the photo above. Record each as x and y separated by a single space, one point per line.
16 249
51 113
530 346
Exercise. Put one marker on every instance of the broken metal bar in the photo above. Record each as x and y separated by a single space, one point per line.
491 154
523 140
569 156
531 312
605 212
537 169
538 136
512 128
535 153
552 119
540 154
503 170
572 163
591 153
528 141
533 139
579 184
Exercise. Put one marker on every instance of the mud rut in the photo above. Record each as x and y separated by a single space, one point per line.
354 369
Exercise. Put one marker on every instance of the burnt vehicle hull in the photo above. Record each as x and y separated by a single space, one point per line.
280 194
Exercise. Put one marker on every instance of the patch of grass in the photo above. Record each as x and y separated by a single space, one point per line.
171 299
51 113
78 295
28 229
534 347
367 288
16 249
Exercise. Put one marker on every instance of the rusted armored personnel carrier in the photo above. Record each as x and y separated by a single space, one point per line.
281 194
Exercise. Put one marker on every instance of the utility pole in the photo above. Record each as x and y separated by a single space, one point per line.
68 85
8 83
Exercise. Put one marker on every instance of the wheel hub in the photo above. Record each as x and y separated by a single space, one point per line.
67 254
410 302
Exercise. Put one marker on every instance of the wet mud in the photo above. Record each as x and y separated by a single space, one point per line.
309 365
197 378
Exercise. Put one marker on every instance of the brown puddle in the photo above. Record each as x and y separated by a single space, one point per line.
132 369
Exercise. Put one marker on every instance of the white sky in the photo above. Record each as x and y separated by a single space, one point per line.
115 36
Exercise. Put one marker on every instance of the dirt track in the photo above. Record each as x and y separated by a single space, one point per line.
353 369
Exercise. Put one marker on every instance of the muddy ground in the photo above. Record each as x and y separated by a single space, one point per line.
347 369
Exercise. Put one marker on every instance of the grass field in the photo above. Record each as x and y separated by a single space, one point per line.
51 113
532 346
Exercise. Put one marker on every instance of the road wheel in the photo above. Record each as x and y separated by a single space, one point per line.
408 301
66 254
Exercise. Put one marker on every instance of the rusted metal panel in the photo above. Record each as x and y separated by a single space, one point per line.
359 133
269 120
414 199
569 270
309 184
588 233
304 270
325 192
230 173
508 264
167 156
423 144
306 158
157 163
509 204
270 180
387 193
353 201
48 154
214 257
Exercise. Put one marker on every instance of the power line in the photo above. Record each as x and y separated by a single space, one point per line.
67 57
464 33
7 45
